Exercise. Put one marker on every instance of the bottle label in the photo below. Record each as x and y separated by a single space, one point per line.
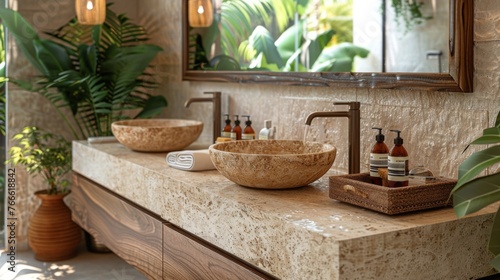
263 137
398 169
226 134
377 161
232 135
247 136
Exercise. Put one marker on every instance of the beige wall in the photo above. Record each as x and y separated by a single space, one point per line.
435 126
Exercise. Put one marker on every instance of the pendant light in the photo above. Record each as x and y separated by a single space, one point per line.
90 12
200 13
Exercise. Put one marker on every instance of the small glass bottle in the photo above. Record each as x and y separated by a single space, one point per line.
248 132
226 131
236 130
398 165
378 157
267 133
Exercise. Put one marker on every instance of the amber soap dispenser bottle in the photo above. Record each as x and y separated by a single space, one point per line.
236 130
398 164
248 132
226 131
378 157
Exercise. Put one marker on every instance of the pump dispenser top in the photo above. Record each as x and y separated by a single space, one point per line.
248 132
378 157
226 131
379 137
398 141
398 163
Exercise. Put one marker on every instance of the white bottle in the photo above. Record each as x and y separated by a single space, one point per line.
267 133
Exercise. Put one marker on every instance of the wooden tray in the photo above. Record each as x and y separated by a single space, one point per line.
356 189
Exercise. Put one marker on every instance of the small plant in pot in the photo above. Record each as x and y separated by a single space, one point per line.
52 235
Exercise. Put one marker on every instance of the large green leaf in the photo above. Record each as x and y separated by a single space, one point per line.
476 194
490 136
475 164
343 55
87 59
317 46
23 33
494 244
240 17
262 41
289 41
52 57
472 193
153 107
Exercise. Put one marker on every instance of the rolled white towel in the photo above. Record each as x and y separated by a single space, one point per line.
190 160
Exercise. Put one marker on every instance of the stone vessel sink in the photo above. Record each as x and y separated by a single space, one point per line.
156 135
272 164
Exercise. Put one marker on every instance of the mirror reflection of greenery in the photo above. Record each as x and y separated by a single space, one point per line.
278 35
409 12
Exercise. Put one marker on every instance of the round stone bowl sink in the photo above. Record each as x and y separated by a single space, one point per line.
272 164
156 135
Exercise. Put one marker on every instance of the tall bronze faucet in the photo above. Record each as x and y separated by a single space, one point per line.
354 130
216 109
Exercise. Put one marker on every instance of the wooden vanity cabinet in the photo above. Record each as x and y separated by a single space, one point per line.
133 234
185 256
157 248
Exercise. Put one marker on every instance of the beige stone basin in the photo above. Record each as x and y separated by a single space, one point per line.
272 164
156 135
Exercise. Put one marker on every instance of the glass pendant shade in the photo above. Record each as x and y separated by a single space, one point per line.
90 12
200 13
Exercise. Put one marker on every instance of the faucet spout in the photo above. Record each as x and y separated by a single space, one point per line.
197 99
216 109
353 114
325 115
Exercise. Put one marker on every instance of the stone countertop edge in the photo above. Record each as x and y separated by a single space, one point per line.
289 233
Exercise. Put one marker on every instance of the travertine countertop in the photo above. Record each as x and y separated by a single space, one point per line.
298 233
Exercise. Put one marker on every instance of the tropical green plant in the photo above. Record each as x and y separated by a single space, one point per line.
41 152
100 73
315 55
409 12
291 51
474 191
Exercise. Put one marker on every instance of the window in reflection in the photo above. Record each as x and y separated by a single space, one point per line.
324 36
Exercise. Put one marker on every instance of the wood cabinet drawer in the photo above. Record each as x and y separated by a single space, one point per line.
186 256
130 232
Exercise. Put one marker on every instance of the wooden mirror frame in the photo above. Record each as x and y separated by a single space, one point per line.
459 78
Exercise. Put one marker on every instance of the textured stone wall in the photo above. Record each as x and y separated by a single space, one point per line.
27 108
436 126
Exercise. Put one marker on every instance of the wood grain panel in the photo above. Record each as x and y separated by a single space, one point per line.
186 256
132 233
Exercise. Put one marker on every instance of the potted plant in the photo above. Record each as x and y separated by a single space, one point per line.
474 190
100 73
52 234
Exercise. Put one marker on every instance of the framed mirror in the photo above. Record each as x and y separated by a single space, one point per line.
440 57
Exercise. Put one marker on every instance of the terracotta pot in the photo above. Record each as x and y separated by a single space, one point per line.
52 234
